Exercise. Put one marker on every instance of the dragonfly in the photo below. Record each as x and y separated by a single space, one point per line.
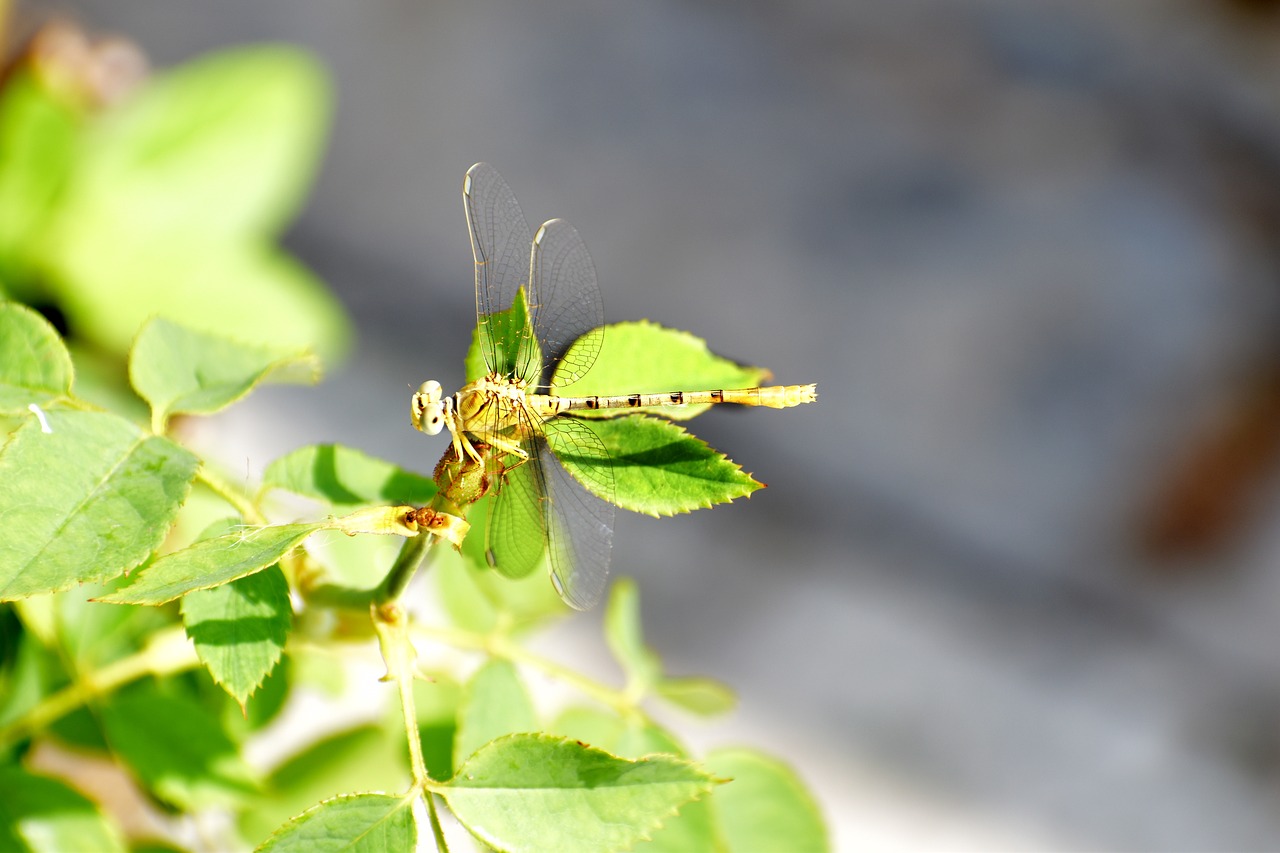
517 411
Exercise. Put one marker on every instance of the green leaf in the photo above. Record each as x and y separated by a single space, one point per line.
111 278
659 468
536 792
436 702
43 815
213 562
176 748
239 629
693 828
494 703
516 347
475 597
224 145
352 562
84 502
32 671
34 364
644 358
765 807
89 636
704 696
343 475
632 737
358 823
178 197
38 136
182 371
364 758
624 633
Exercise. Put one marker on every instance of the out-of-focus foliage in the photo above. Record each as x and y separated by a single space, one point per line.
169 202
162 660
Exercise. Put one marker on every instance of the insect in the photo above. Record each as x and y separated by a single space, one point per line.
540 327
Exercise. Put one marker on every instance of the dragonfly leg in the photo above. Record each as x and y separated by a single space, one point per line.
461 444
510 447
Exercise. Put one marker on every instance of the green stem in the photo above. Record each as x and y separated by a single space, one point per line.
410 557
436 829
168 653
229 493
500 646
391 624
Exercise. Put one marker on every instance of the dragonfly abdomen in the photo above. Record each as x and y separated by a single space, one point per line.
773 396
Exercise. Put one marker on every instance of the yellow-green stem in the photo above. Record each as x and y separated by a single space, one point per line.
391 624
434 814
500 646
229 493
168 653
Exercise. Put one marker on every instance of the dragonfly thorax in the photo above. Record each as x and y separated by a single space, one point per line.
490 406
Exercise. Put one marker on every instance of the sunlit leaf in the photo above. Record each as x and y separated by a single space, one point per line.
765 806
104 496
475 597
239 629
645 358
343 475
660 469
694 827
183 371
536 792
356 823
494 703
213 562
363 758
223 145
111 278
38 137
34 364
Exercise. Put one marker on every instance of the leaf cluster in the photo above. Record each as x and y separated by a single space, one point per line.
160 620
168 204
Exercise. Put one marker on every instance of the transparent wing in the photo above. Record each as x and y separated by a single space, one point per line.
500 242
565 302
516 536
579 520
540 508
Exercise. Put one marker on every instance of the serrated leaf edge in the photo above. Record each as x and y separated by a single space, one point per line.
64 356
645 834
718 457
405 799
143 438
275 661
111 597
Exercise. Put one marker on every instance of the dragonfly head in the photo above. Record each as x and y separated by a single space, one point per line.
428 407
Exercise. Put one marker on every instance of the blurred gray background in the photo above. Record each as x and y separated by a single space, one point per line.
1014 581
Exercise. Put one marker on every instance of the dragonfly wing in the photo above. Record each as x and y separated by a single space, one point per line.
516 536
579 520
565 302
500 243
